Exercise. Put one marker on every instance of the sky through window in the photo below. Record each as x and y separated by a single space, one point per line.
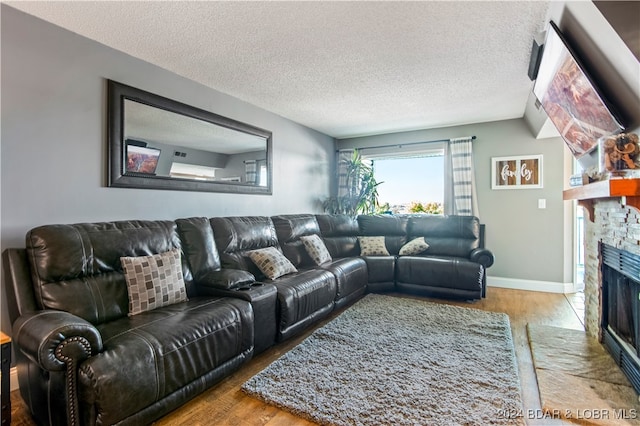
410 179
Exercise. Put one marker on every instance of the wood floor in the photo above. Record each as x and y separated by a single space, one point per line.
226 404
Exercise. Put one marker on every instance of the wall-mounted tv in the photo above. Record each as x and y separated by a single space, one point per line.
142 159
570 98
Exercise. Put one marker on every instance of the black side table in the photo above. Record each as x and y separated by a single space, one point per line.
5 385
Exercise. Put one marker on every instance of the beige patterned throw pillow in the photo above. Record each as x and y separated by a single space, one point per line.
271 262
372 246
415 246
154 281
316 249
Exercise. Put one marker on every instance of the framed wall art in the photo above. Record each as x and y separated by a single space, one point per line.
521 172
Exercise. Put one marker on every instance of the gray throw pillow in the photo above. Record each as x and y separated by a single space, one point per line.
271 262
415 246
372 246
316 249
154 281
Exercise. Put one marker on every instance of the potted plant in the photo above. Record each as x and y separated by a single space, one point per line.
361 195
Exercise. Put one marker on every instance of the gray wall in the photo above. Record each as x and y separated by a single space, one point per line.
521 236
53 153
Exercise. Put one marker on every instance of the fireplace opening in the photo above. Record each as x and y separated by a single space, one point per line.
621 309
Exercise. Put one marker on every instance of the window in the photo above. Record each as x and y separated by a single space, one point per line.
192 171
412 182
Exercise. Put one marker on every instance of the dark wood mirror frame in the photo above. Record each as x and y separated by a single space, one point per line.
117 93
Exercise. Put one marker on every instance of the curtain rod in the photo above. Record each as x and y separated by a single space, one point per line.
400 145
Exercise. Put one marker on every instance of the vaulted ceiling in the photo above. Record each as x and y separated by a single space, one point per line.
343 68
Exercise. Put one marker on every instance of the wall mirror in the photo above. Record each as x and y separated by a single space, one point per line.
159 143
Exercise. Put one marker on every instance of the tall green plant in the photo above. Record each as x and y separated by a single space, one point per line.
361 189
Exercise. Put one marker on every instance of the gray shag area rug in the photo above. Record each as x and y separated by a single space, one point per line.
398 361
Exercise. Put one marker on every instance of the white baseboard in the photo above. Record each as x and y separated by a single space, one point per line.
13 376
530 285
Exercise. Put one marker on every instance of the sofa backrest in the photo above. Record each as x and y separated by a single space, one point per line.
289 229
339 233
198 246
235 236
392 227
76 268
446 235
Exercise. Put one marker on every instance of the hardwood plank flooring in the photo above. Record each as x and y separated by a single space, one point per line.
226 404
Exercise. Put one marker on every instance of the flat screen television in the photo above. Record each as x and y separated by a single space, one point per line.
141 159
570 98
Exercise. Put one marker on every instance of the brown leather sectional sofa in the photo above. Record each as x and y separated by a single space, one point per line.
82 359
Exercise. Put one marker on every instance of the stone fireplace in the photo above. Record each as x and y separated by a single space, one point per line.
616 230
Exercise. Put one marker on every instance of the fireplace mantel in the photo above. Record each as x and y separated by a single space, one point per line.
627 189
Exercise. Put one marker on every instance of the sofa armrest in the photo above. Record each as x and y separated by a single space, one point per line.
482 256
58 341
53 339
263 299
225 279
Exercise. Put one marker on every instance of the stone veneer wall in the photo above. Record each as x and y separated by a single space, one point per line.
618 226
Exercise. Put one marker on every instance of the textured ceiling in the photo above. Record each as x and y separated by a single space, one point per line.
343 68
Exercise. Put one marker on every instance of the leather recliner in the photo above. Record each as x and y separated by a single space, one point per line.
453 266
199 248
350 271
303 297
81 359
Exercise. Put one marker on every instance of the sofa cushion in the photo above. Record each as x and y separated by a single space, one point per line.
372 246
381 273
447 235
198 245
339 233
351 278
153 281
236 236
415 246
289 229
440 271
316 249
303 299
150 356
271 262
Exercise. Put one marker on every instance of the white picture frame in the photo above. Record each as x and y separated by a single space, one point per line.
517 172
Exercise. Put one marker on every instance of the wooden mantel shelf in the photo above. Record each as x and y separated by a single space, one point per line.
627 189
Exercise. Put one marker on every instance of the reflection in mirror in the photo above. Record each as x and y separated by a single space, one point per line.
177 146
164 144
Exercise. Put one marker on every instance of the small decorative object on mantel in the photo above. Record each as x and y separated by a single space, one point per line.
619 155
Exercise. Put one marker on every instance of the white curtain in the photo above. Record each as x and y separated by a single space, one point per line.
460 187
344 155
